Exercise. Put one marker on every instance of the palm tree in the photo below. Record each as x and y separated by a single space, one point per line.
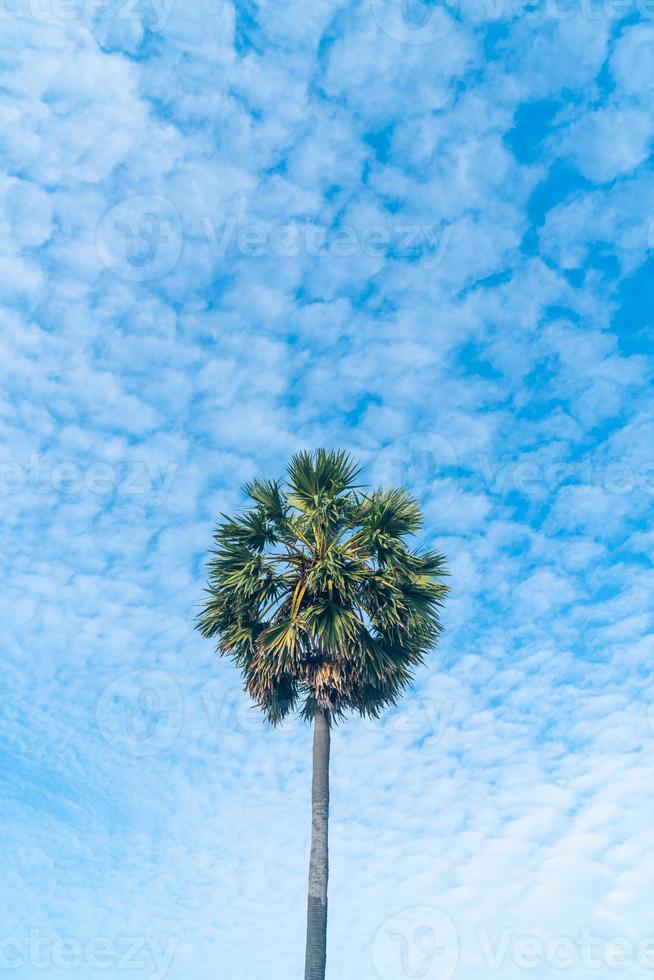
316 595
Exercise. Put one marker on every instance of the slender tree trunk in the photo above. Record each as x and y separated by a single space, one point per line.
319 860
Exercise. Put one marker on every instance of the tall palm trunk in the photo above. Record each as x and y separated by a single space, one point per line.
319 861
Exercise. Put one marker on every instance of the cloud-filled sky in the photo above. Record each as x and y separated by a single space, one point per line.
420 233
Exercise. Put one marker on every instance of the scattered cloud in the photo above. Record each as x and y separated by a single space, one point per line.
229 232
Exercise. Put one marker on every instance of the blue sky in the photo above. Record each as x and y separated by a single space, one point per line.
423 234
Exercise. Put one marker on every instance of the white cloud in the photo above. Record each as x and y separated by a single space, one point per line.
132 411
610 142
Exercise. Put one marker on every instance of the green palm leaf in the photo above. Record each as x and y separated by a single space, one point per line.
317 594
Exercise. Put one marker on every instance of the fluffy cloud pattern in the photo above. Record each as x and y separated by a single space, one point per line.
422 232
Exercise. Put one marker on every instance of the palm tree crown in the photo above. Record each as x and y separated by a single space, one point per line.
316 594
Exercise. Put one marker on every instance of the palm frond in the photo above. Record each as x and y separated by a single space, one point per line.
320 476
317 595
